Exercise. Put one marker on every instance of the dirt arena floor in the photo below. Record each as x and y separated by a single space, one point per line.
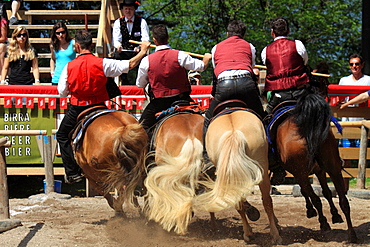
53 221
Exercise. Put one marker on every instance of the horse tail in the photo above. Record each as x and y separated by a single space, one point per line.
127 166
236 173
171 187
312 115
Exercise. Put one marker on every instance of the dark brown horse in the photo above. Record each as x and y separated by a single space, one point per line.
112 156
172 179
306 145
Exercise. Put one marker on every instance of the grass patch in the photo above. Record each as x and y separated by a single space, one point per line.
353 181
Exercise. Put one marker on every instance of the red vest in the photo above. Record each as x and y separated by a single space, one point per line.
166 76
232 53
87 80
285 67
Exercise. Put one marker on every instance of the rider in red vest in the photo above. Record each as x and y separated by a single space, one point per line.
85 78
285 60
286 78
165 72
233 61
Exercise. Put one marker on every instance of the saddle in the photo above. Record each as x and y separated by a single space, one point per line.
84 119
230 106
177 107
281 112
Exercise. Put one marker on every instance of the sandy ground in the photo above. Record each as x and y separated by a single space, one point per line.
54 221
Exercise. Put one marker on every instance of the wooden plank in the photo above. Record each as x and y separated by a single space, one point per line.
33 170
47 40
348 133
352 153
351 112
54 13
49 27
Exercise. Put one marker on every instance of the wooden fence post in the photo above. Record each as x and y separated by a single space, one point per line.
361 175
48 163
4 196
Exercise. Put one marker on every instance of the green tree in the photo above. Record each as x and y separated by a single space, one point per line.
330 29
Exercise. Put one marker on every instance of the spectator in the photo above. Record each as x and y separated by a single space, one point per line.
62 50
4 29
20 58
356 64
128 27
195 78
85 79
16 4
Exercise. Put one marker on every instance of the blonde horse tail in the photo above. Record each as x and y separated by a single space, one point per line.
171 187
236 174
129 151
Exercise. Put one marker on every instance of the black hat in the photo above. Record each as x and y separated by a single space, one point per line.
130 3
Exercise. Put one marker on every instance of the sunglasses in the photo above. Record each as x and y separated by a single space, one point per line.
22 35
61 32
353 64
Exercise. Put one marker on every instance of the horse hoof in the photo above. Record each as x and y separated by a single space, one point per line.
325 227
252 213
311 213
337 219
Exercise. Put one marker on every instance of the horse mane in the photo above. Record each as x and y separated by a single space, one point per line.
127 169
312 117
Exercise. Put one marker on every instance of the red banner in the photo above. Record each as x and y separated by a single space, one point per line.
29 103
52 103
139 104
128 104
63 103
8 102
18 102
41 103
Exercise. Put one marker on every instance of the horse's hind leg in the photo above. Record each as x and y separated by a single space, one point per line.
344 204
307 189
332 165
321 175
268 206
247 230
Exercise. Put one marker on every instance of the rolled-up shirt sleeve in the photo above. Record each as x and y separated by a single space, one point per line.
113 67
189 63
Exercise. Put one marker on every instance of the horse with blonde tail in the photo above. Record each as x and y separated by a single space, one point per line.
236 144
172 178
112 155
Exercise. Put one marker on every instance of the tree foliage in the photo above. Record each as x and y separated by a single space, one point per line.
330 29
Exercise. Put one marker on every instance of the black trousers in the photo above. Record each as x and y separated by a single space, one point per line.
68 123
280 96
237 87
148 118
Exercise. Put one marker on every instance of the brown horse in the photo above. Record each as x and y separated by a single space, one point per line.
172 179
112 156
236 143
306 145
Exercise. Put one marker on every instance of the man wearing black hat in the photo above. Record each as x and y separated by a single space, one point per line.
128 27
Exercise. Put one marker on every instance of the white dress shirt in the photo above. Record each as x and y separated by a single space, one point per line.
184 59
117 35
